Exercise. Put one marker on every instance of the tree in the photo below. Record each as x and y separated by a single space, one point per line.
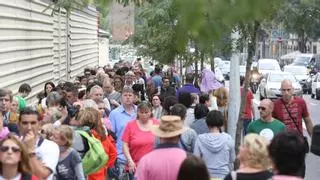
301 17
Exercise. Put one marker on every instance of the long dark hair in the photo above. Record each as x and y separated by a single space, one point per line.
45 85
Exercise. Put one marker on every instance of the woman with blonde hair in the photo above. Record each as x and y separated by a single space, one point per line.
91 117
14 159
254 159
222 97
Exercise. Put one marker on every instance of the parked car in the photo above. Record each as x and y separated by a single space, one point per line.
268 65
270 85
315 86
302 75
225 68
303 59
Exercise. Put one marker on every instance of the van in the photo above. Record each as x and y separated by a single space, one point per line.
268 65
303 59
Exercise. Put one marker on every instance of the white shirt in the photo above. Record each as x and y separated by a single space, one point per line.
48 153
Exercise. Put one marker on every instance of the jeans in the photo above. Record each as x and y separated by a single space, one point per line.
246 123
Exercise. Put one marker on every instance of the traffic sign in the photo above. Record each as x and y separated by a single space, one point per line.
277 34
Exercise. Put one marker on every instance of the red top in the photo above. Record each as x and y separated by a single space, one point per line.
139 142
297 108
247 114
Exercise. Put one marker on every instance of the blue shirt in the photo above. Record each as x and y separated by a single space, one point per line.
157 81
188 88
119 118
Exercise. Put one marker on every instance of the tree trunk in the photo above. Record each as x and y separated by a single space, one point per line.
251 50
201 61
302 42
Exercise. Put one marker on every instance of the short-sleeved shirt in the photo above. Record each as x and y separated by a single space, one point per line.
119 118
65 168
266 129
248 108
161 164
297 108
263 175
21 103
140 142
48 153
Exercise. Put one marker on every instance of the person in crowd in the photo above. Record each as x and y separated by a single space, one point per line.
216 148
96 94
43 153
129 79
156 78
90 117
165 90
57 111
188 138
104 112
119 118
205 100
186 100
13 114
157 109
290 110
69 165
137 138
193 168
165 160
195 100
46 131
6 99
200 114
118 83
48 87
4 131
9 119
287 152
222 97
248 113
14 159
209 81
285 109
266 126
150 89
254 159
138 76
188 87
168 103
112 95
23 92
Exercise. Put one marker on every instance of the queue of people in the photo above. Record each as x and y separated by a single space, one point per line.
121 123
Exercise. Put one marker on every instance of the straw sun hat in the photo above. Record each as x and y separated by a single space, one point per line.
170 126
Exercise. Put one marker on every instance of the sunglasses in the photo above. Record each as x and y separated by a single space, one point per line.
13 149
261 108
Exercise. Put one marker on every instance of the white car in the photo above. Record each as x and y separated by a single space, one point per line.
270 85
302 75
268 65
315 86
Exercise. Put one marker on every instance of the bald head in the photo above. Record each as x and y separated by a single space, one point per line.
286 90
267 103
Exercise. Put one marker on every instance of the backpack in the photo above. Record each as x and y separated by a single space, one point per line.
95 158
315 142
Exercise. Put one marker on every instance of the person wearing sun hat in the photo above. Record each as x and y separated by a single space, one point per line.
165 160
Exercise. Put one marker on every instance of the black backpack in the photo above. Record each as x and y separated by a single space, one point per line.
315 142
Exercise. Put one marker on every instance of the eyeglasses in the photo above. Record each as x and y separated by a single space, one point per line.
284 90
261 108
13 149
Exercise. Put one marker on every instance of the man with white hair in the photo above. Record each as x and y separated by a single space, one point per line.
96 94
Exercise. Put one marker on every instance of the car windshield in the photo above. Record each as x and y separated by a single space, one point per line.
296 70
301 61
267 66
281 77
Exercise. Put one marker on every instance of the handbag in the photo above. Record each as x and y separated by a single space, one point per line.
306 144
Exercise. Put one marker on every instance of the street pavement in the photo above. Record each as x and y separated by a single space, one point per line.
312 161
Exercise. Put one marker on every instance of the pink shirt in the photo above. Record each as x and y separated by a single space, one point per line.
161 164
140 142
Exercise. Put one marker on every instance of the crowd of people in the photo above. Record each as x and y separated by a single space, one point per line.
121 123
